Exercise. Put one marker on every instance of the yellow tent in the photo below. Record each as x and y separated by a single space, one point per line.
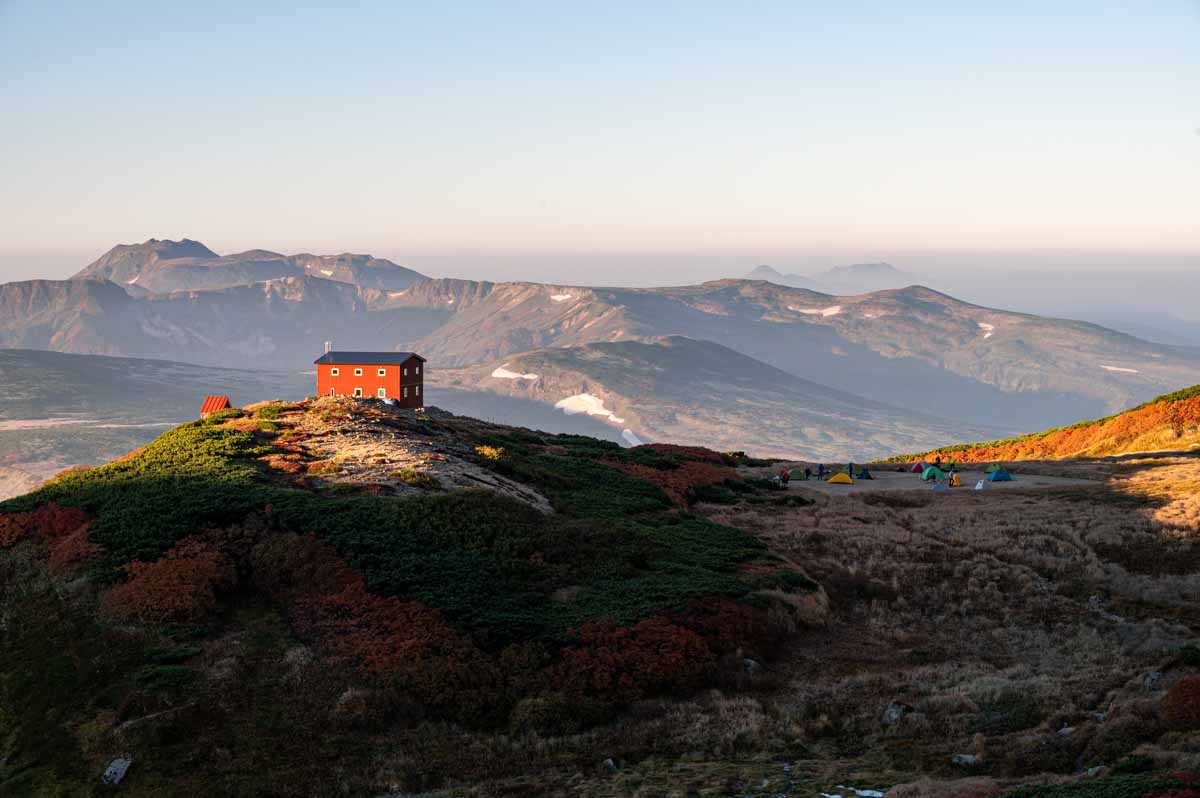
841 479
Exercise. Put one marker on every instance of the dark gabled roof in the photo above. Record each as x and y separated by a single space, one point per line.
368 358
212 404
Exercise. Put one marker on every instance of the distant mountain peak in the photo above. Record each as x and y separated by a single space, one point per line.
872 269
773 275
764 272
166 249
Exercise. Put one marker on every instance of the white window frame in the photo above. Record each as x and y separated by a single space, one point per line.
381 373
418 369
358 393
417 388
358 372
405 389
335 371
406 372
333 391
381 393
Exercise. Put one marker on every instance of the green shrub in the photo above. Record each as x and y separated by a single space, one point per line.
418 479
1134 763
271 412
490 563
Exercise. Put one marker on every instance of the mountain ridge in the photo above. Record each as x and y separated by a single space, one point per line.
166 266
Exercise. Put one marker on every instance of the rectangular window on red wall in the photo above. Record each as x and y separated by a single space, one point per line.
382 372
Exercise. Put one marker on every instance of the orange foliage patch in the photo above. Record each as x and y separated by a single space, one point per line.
404 643
726 627
624 663
1160 424
70 554
181 587
690 452
50 521
1181 705
678 483
285 463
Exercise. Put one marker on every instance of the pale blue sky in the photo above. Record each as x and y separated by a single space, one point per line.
459 132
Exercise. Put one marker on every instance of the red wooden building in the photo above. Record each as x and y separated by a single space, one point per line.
381 375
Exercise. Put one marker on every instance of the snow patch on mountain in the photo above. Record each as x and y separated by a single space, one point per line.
561 297
832 310
586 403
988 329
501 373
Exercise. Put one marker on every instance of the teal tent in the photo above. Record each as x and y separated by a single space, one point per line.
932 473
1000 475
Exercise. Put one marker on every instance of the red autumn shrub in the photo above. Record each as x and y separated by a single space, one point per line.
289 565
54 521
181 587
690 452
13 527
49 521
725 626
678 483
621 663
1180 707
70 554
390 641
403 644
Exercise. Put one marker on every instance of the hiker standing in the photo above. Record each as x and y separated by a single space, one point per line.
784 476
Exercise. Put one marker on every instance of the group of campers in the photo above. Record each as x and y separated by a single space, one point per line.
946 475
844 475
943 474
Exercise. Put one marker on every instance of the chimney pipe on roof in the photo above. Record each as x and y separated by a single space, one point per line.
328 346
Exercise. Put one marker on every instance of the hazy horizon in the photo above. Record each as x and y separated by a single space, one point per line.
868 128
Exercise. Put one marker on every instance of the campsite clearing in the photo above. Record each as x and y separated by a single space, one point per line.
895 481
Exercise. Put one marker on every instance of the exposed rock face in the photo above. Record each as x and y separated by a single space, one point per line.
384 446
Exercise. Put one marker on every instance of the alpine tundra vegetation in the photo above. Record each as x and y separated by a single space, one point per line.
336 596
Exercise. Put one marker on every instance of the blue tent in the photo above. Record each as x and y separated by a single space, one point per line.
1000 475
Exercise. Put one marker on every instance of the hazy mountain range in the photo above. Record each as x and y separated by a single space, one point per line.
856 278
776 368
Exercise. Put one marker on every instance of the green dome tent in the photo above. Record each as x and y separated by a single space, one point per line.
932 473
1000 475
